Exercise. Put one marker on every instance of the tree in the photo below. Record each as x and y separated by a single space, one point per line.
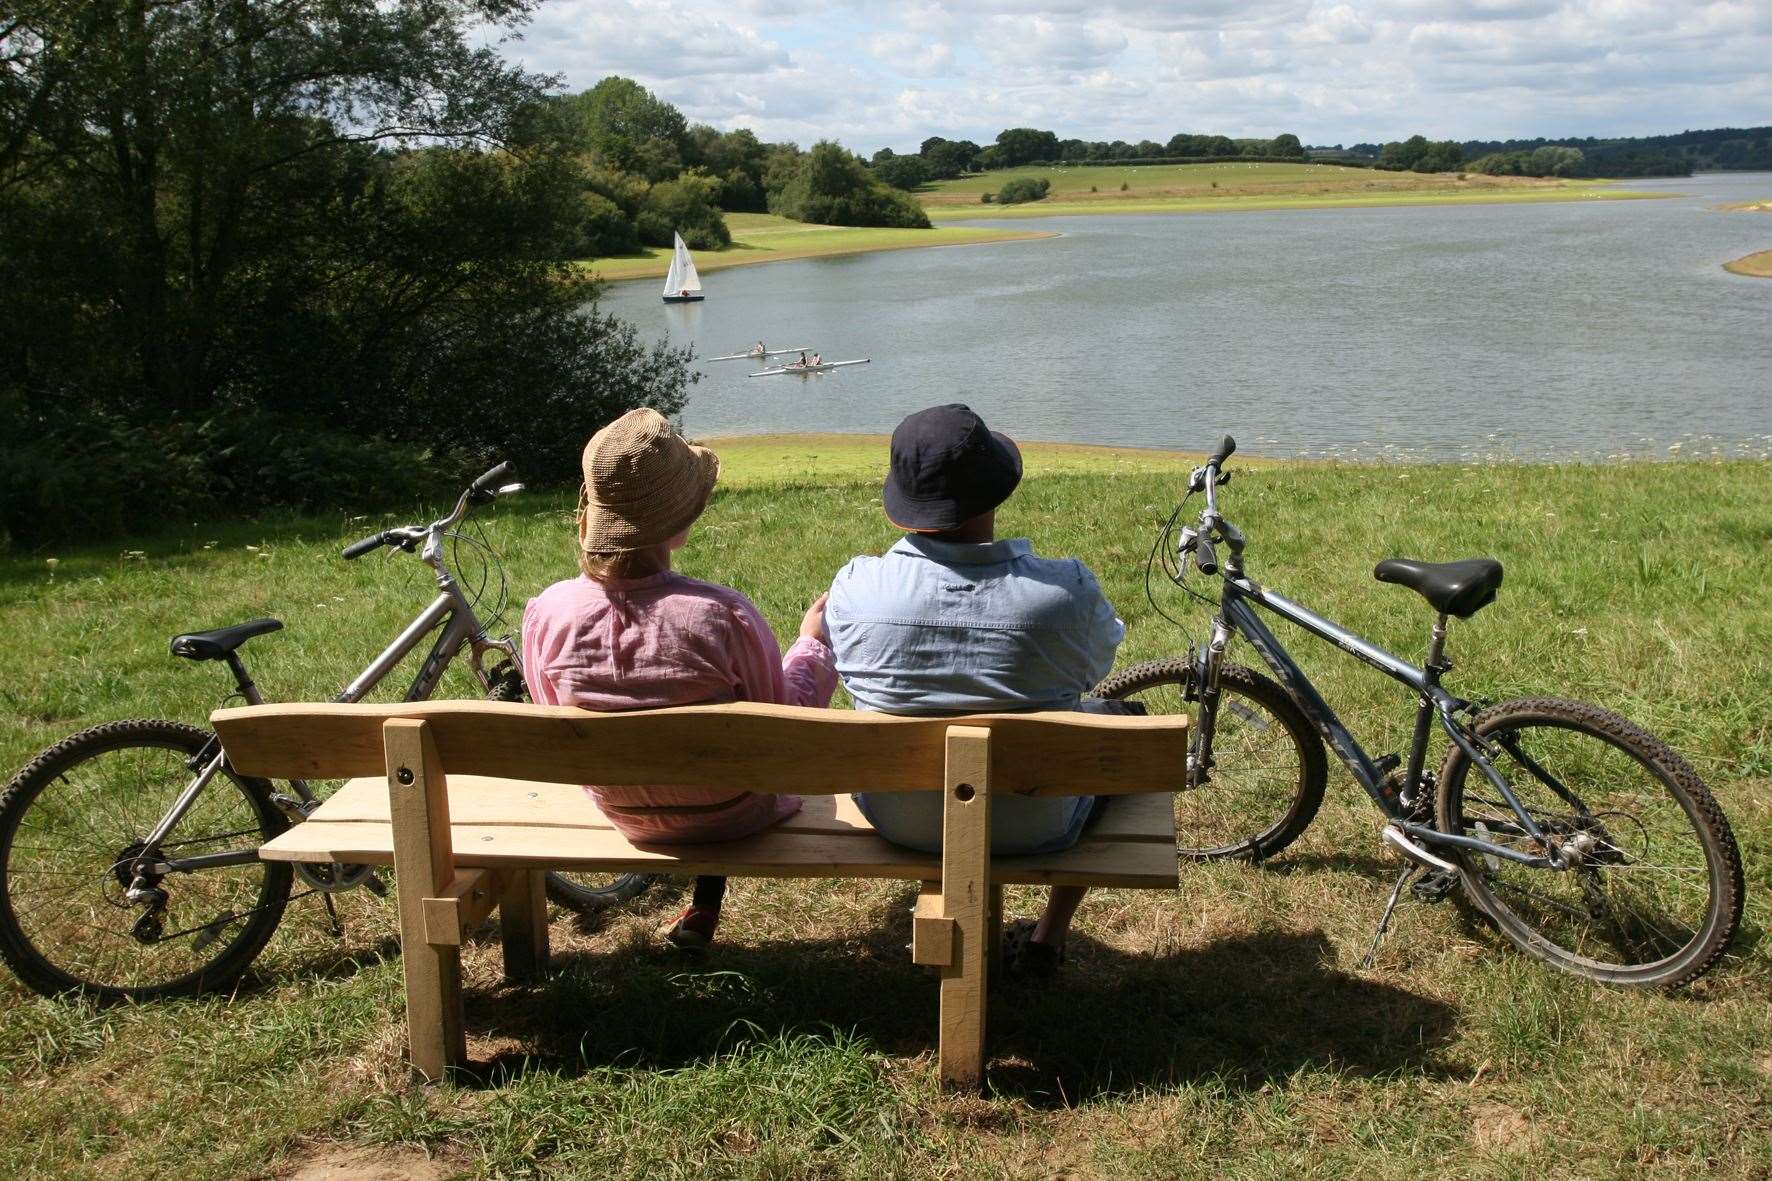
687 205
1023 188
628 127
1286 144
902 172
217 235
1019 145
830 186
948 158
1403 156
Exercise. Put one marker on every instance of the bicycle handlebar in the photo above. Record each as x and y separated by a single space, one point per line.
488 481
369 544
1205 555
1226 446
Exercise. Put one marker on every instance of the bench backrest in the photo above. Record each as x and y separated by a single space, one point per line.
771 748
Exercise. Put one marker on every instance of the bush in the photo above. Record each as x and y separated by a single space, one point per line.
1124 185
902 172
1023 188
987 198
604 229
684 206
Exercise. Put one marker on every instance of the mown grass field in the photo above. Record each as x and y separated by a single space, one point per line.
763 237
1193 188
1225 1030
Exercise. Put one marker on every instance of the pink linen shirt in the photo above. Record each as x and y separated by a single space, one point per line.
647 643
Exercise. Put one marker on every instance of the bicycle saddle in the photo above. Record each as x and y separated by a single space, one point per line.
1454 588
213 645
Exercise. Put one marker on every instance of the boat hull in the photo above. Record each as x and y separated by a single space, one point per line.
684 298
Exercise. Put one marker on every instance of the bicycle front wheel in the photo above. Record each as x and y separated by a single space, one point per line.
1268 766
73 821
1654 892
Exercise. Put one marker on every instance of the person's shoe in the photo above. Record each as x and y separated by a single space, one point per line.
691 931
1024 958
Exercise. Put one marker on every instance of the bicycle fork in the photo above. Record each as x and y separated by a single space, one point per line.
1206 675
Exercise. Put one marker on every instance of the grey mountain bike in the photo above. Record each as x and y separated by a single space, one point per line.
129 860
1590 843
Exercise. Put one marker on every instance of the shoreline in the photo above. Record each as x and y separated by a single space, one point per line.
1756 266
757 460
753 245
1159 205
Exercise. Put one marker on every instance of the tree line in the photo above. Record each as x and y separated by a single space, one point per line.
938 158
646 172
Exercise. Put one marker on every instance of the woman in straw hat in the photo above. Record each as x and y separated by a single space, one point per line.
633 634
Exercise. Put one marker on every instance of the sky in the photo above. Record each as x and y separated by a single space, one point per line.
1330 71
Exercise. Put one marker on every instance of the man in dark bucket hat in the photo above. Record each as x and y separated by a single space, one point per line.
951 620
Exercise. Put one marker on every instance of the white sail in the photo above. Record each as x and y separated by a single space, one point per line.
682 276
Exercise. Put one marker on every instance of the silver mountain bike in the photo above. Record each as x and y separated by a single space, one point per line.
129 863
1589 842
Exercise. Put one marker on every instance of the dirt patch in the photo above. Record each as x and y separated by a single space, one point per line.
1746 207
343 1162
1496 1127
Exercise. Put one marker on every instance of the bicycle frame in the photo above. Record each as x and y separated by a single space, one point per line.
460 626
1237 613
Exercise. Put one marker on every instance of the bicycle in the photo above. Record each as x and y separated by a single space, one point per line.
85 813
1589 842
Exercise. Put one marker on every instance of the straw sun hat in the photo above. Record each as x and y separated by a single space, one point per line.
644 484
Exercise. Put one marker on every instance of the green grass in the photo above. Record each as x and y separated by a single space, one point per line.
763 237
1197 188
1758 265
1225 1030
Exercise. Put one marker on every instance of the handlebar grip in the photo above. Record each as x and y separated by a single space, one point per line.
358 548
1205 555
492 478
1226 446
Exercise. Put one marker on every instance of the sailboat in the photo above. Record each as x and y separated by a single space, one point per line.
682 284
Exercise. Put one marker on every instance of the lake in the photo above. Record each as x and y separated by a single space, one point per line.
1584 330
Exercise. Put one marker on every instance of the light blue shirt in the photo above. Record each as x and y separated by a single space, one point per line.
946 627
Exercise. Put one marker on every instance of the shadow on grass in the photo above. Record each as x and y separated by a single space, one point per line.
1243 1011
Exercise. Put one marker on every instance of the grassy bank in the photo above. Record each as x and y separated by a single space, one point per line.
1199 188
763 237
1758 265
1225 1030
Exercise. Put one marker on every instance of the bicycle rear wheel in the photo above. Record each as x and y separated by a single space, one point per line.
1268 766
74 819
1656 890
587 893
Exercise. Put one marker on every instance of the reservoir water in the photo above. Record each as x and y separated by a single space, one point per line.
1579 330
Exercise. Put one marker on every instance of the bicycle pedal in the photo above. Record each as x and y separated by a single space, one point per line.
1385 764
1434 887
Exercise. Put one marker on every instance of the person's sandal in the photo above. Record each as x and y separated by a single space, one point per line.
1024 958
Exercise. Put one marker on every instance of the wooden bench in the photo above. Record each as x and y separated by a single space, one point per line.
472 802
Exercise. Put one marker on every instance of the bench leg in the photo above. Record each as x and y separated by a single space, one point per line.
523 924
424 866
965 892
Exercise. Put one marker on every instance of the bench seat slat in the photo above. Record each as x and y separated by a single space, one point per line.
485 799
498 823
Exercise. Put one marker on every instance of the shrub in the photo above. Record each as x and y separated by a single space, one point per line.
902 172
685 206
604 229
1124 185
987 198
1023 188
1093 189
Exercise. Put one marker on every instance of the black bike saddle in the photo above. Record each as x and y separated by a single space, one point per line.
213 645
1454 588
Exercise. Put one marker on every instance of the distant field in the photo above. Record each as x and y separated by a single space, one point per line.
763 237
1184 188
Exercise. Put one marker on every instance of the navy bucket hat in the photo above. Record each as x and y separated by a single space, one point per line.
947 467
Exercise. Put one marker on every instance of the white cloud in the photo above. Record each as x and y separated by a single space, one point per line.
1329 70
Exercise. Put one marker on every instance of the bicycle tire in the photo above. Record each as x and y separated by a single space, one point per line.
1553 722
38 967
1303 796
585 893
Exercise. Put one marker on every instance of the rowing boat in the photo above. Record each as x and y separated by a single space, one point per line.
803 370
754 353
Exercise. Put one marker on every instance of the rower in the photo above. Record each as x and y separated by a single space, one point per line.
802 358
817 360
760 350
